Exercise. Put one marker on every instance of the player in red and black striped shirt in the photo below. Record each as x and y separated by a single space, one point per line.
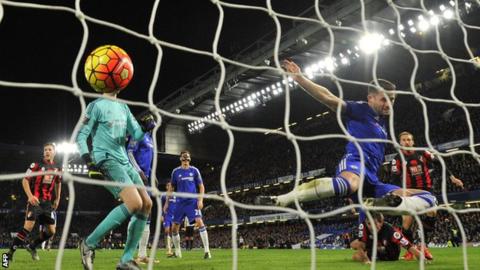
417 176
389 241
43 193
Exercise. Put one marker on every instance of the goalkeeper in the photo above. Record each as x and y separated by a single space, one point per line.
364 120
108 122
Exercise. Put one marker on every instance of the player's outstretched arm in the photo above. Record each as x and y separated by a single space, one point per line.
360 255
319 92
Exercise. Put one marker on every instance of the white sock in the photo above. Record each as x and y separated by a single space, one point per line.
204 236
176 244
316 189
142 246
168 244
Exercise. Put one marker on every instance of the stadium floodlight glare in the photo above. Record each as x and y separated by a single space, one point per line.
434 20
371 42
442 7
275 92
423 25
344 61
452 3
413 29
65 147
401 27
251 103
329 63
391 31
448 14
410 22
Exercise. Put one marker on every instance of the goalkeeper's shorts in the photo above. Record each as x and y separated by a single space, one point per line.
119 173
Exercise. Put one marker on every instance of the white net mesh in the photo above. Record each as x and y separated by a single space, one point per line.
450 12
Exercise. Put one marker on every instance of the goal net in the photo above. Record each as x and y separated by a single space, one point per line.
429 49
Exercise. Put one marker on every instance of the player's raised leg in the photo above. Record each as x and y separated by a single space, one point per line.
404 200
344 184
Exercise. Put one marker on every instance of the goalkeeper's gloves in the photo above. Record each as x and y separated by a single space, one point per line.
147 122
93 171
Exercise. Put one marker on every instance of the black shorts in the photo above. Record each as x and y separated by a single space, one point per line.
389 254
43 213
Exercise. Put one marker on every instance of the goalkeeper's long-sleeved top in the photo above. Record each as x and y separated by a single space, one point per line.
108 122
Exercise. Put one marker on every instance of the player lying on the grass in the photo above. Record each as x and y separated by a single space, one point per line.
417 175
41 202
389 240
364 120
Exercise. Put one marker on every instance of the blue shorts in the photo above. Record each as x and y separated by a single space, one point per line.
372 186
186 208
167 220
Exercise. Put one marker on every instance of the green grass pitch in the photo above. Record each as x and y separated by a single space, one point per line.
447 259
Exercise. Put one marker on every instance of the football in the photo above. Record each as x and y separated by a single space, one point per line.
108 69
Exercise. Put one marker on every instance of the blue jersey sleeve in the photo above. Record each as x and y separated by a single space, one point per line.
132 145
173 180
198 177
164 199
356 109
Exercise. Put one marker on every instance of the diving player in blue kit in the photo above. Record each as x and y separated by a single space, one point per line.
364 120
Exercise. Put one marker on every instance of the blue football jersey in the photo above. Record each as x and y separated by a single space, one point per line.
143 152
171 204
364 123
186 180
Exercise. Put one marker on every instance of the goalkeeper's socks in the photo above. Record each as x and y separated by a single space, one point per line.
116 217
321 188
204 236
19 239
135 231
142 246
176 244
